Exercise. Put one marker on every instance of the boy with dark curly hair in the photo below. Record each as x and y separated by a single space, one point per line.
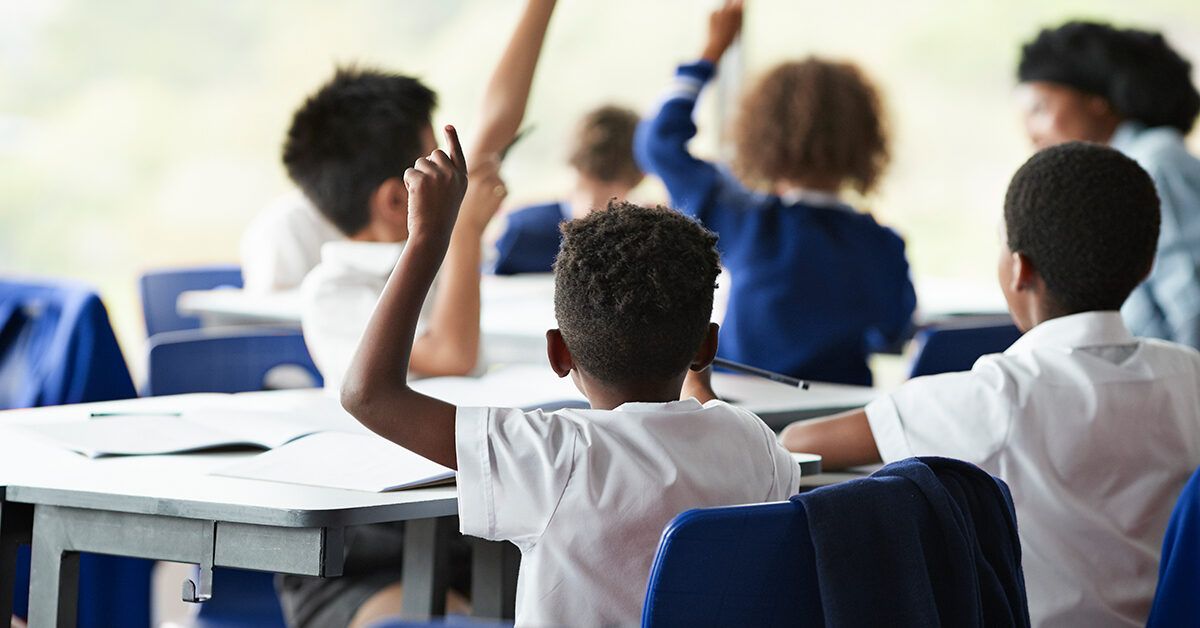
1094 430
585 494
816 285
1128 88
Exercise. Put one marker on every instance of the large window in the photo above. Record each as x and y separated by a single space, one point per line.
137 134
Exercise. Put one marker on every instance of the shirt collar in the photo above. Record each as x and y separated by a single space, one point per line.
812 198
683 405
1125 135
376 258
1075 331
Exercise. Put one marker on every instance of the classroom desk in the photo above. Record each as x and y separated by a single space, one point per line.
169 508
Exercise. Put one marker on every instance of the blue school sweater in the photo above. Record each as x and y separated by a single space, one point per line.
530 240
814 288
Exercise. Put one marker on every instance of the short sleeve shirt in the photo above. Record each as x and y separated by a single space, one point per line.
586 494
1094 430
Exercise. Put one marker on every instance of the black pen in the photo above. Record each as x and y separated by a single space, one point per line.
752 370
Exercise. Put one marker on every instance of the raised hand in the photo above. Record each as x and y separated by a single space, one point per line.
436 185
484 196
724 25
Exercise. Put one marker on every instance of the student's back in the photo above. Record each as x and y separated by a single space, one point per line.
586 494
820 270
1094 430
815 286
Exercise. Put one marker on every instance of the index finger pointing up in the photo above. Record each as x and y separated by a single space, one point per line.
456 151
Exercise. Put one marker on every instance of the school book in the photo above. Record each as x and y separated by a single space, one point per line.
355 461
142 434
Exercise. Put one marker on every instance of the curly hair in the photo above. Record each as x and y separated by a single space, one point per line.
633 291
1087 217
358 130
603 148
1136 71
812 119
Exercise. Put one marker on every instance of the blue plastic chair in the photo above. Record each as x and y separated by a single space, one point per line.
955 345
160 290
1177 600
57 347
735 566
228 360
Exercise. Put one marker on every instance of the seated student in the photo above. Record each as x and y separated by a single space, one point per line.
346 148
1129 89
1096 431
585 494
602 157
816 285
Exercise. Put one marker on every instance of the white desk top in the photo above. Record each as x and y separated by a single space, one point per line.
38 472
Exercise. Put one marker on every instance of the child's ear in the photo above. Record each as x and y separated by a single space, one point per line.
559 355
390 200
1025 275
708 349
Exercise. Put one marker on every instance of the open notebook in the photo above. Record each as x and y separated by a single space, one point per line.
361 462
150 434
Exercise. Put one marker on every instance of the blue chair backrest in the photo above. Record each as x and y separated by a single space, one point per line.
57 347
160 290
955 346
1177 600
735 566
229 360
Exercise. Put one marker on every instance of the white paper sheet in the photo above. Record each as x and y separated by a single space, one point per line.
361 462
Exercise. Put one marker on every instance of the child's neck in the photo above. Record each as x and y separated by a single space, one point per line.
604 396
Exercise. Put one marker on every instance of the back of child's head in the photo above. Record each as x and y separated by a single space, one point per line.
361 128
634 292
1087 217
812 120
603 146
1136 71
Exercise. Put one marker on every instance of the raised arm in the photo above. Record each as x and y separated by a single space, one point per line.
661 142
507 92
375 389
450 344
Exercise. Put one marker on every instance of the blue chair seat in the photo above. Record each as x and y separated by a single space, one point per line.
954 345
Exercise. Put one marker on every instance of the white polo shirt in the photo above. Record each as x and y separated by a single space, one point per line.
586 494
1095 432
337 299
283 243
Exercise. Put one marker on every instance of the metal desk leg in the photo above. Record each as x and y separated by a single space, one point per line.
494 569
426 574
53 578
16 523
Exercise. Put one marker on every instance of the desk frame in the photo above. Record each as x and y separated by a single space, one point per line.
214 535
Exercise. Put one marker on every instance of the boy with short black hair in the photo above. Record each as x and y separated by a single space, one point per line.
585 494
1094 430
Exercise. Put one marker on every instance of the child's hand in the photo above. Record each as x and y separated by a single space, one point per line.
484 196
436 185
724 24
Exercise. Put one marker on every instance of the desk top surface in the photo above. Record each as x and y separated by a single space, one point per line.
35 471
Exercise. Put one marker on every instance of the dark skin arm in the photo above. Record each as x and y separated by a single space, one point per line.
843 440
376 389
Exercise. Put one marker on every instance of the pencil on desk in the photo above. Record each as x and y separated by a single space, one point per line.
753 370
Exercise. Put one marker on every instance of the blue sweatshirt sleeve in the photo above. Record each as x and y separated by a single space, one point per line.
896 322
661 146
